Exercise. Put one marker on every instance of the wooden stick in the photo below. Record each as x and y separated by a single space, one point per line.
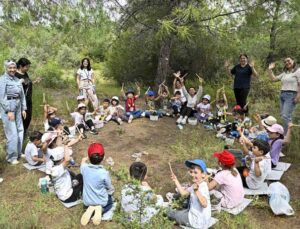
44 98
296 125
170 167
184 76
68 108
246 105
206 178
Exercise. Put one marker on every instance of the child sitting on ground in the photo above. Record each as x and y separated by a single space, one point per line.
130 108
227 184
277 140
222 106
116 111
199 212
67 185
176 103
203 109
150 101
258 163
34 156
137 198
97 186
163 93
192 99
49 113
83 120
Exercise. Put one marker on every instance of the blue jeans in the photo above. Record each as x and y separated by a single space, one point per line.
14 132
135 114
287 106
148 113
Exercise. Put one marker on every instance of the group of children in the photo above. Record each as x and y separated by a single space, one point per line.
261 146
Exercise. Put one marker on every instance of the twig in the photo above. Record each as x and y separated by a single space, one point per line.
44 98
170 167
67 105
246 105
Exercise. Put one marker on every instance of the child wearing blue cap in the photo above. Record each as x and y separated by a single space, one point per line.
199 212
151 101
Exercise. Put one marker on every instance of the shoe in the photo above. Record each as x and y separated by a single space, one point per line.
143 114
98 215
22 155
119 121
1 179
179 120
94 131
183 122
85 218
14 162
130 119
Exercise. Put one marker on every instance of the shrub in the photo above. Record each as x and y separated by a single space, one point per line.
51 74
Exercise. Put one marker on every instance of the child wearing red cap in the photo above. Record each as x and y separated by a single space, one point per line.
97 188
227 181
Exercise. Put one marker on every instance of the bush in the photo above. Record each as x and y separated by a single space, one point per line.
51 74
68 57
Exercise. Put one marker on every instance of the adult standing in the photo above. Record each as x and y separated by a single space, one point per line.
290 89
12 108
86 83
242 72
23 66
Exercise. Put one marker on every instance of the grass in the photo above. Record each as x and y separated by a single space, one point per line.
23 206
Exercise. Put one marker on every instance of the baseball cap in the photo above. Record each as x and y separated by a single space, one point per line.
206 97
80 97
96 148
269 121
57 153
54 121
276 128
197 162
225 157
151 93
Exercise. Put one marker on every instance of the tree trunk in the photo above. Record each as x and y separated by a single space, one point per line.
163 67
273 33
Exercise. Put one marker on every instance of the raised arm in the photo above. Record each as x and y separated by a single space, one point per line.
122 91
271 75
254 72
138 90
181 190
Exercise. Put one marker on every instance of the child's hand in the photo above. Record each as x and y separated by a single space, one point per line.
177 74
84 160
257 117
242 141
195 187
258 159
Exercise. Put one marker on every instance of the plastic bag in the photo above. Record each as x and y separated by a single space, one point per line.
279 198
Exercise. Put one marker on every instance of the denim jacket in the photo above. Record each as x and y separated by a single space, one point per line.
10 86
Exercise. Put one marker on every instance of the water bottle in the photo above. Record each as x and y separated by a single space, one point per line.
44 188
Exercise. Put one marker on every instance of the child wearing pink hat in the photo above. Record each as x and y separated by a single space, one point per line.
227 183
278 140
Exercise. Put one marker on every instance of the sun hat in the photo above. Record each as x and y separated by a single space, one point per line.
206 97
150 93
115 98
96 148
225 157
276 128
81 105
269 121
57 153
80 97
129 91
197 162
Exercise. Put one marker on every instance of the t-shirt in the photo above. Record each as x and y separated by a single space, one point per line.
275 150
80 119
113 110
62 182
130 104
182 96
204 108
150 105
84 74
289 80
132 199
30 151
253 181
199 217
96 185
242 75
221 110
231 187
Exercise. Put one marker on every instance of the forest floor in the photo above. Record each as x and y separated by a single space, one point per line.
24 206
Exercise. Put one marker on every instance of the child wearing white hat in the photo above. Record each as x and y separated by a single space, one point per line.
203 109
116 111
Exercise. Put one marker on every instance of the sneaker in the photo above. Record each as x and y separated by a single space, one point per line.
98 215
1 179
143 114
183 122
130 119
85 218
14 162
94 131
22 155
179 120
119 121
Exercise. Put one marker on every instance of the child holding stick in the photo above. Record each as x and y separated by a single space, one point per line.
199 213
